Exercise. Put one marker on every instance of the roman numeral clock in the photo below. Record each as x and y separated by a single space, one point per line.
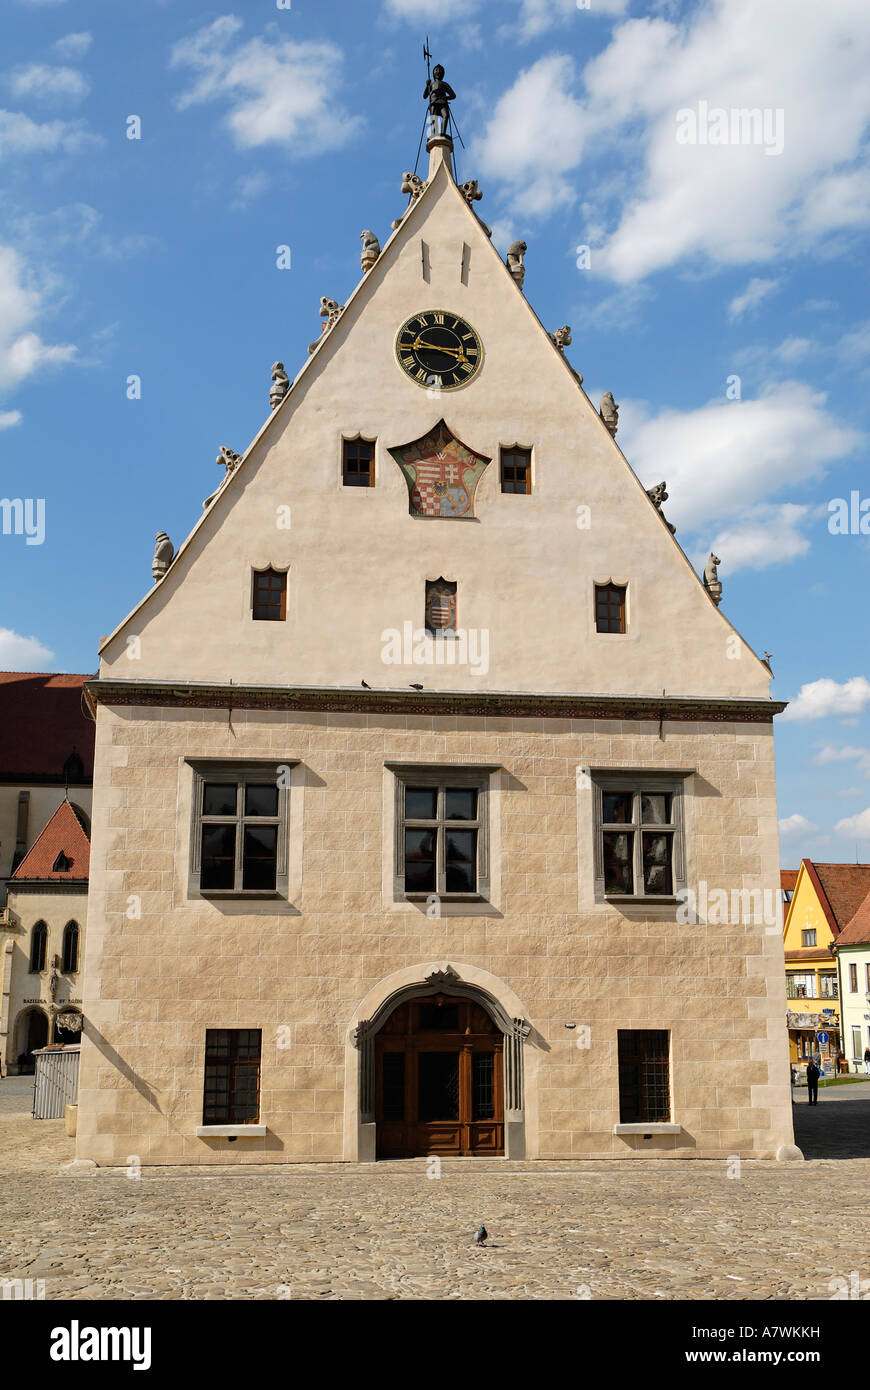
437 349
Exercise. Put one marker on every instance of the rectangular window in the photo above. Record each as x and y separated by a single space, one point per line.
441 834
644 1084
828 986
639 849
801 986
232 1076
867 978
269 601
857 1052
808 938
358 463
853 978
516 470
610 608
240 830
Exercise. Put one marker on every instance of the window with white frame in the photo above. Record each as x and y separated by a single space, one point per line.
801 986
639 849
442 833
239 830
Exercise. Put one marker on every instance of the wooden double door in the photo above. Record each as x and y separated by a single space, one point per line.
439 1083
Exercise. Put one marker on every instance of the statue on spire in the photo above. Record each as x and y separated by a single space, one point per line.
439 94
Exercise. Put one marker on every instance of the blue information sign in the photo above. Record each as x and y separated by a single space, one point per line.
823 1037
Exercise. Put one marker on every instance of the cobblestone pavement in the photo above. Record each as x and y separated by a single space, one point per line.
630 1230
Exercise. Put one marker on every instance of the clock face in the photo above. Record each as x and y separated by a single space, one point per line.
439 350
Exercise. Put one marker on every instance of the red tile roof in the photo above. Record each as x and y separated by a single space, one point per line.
843 889
788 878
857 933
41 721
63 835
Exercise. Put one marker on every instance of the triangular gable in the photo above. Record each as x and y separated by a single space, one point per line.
63 835
442 199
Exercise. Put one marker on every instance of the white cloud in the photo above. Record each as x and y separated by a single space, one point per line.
756 291
825 698
536 136
796 825
854 347
42 82
73 45
418 10
858 757
21 302
727 457
249 187
721 204
856 826
733 204
273 91
761 536
21 135
22 653
537 16
9 418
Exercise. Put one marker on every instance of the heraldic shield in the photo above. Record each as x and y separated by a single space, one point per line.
442 474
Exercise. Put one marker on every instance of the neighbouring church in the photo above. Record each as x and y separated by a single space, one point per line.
408 760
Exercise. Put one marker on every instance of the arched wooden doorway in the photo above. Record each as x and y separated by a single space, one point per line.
439 1079
32 1033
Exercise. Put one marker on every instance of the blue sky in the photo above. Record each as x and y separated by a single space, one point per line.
725 301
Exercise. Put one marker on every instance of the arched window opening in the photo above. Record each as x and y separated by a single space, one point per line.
38 944
70 948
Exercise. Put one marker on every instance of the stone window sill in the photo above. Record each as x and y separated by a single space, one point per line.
659 1128
230 1131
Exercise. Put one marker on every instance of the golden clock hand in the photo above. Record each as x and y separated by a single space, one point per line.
436 347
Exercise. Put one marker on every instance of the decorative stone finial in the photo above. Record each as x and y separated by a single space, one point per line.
658 495
330 311
472 194
515 253
229 458
371 249
280 384
413 185
439 94
164 554
609 412
561 337
712 582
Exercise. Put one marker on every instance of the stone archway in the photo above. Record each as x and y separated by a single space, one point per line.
449 983
31 1031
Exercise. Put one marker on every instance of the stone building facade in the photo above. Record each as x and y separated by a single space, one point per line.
42 943
430 732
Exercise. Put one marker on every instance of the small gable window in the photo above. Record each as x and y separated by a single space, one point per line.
516 469
38 942
610 608
358 462
70 948
269 603
62 864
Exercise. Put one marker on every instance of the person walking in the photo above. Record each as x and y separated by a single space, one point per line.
813 1075
867 1061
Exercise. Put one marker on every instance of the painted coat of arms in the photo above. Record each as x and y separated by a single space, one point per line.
442 473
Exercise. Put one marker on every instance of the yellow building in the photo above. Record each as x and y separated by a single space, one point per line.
824 899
